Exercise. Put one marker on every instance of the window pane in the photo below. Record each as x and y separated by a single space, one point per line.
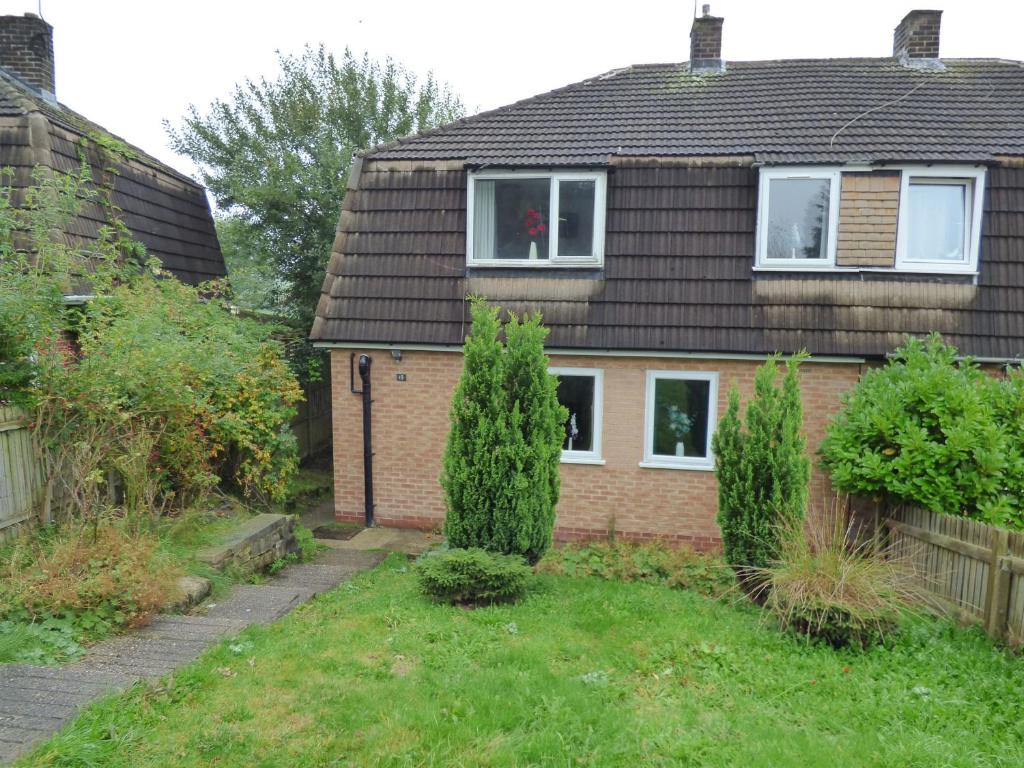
511 218
576 393
576 218
936 217
681 417
798 218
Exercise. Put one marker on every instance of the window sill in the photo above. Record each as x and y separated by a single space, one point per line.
582 460
873 270
650 464
535 264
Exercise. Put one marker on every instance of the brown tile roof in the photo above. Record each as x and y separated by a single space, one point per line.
677 276
796 111
164 209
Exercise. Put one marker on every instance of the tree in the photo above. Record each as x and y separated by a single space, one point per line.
762 469
276 157
500 469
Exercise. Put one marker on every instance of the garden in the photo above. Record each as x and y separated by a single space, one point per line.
803 643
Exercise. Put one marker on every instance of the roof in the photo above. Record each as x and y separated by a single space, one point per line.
678 273
788 111
164 209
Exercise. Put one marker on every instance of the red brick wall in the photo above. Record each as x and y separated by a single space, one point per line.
410 421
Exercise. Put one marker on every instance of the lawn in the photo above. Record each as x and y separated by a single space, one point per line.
583 672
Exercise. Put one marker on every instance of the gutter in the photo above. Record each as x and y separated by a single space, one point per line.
457 348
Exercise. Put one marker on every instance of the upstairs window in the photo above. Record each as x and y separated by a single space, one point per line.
580 391
939 220
533 219
797 218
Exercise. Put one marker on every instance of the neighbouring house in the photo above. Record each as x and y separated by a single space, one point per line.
165 210
675 224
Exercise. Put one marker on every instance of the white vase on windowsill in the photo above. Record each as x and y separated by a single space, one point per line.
680 449
533 250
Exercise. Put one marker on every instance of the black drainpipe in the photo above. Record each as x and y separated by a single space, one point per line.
365 361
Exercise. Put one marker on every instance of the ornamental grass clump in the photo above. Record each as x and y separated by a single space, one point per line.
473 576
828 586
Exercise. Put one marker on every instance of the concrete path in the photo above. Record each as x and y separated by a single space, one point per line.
36 701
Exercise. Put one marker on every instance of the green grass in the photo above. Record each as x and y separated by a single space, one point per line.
584 671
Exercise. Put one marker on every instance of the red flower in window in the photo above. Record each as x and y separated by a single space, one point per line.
533 224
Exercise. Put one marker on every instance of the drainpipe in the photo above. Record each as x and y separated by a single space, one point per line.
365 361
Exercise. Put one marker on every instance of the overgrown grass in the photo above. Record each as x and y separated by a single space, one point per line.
583 671
63 587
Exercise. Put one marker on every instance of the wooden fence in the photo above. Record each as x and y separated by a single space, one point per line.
312 424
20 478
973 569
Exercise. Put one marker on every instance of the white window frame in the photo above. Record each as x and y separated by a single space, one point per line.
596 259
834 176
656 461
974 179
593 456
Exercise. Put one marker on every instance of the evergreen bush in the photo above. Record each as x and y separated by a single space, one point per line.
762 469
500 469
473 576
933 430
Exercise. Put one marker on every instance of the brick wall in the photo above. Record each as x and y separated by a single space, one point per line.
410 421
868 210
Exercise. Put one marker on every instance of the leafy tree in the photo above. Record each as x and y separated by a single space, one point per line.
500 471
276 156
933 430
762 469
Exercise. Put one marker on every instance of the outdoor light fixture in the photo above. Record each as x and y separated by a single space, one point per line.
396 355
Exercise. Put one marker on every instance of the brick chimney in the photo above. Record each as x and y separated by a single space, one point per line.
26 51
917 36
706 42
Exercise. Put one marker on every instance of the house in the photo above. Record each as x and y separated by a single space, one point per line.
165 210
675 224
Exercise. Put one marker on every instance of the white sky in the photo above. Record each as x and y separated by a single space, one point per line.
127 64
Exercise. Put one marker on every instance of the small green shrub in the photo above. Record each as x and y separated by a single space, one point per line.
307 544
933 430
677 567
473 576
827 586
762 469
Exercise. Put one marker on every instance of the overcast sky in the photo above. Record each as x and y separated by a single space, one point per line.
128 64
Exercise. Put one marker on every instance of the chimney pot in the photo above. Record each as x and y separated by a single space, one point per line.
26 51
705 10
706 43
917 36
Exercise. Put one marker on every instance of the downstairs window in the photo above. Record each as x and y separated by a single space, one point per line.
580 390
680 419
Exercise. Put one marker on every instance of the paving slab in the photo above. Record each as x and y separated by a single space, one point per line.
405 540
36 701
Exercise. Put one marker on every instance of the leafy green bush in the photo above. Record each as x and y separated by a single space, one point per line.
168 392
762 470
931 430
677 567
827 586
473 576
501 462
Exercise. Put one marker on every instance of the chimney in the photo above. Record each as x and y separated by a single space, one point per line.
706 42
916 39
26 51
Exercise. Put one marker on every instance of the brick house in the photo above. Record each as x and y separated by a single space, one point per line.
702 216
165 210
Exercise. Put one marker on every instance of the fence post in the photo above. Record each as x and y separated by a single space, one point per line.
998 586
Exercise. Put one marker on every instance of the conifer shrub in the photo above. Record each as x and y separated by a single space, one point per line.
500 469
762 470
473 576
